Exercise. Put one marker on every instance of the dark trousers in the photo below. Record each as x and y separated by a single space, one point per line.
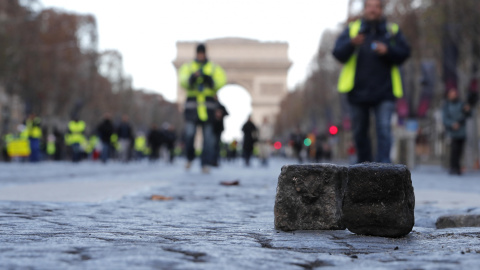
361 125
35 154
247 154
76 152
456 151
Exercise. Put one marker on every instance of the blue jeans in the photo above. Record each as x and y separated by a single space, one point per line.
361 125
105 151
76 152
35 152
209 139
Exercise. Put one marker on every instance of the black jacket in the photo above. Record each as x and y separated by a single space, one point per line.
249 135
373 81
155 138
105 130
124 131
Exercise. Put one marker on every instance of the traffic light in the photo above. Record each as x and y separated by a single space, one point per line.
277 145
333 130
307 142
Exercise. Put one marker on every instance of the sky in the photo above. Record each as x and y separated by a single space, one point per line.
145 32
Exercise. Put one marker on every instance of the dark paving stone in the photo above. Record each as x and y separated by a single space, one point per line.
379 200
309 197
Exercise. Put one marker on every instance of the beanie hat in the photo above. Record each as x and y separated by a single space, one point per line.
201 48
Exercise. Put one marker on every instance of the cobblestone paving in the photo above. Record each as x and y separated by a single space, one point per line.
210 226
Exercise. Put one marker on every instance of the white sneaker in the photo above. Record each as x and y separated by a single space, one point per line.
188 165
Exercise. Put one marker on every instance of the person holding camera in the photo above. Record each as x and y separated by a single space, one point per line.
455 114
371 50
201 79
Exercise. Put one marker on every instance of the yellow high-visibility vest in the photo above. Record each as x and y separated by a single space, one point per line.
347 76
51 148
33 128
140 144
76 129
210 69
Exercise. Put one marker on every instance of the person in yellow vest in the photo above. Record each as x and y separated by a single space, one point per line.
34 130
51 146
371 50
140 146
201 80
7 139
76 138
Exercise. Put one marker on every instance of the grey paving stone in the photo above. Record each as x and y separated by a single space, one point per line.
309 197
458 221
379 200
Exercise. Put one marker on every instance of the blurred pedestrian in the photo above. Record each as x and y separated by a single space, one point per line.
34 131
201 79
140 146
321 138
154 140
59 144
371 50
169 137
125 139
218 127
265 136
297 138
232 151
250 136
105 131
455 113
76 137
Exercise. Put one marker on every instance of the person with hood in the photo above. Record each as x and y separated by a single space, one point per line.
455 113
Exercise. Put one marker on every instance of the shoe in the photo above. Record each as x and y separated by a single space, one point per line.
205 169
188 165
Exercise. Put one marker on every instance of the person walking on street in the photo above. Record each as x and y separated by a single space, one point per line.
125 139
34 130
105 131
155 141
76 137
219 127
297 138
169 138
455 113
201 80
371 50
265 136
249 138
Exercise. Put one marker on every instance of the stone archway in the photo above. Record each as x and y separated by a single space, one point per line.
260 67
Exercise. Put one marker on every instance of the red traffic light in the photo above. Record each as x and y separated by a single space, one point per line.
333 130
277 145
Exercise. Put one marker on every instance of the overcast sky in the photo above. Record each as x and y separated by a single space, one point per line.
145 31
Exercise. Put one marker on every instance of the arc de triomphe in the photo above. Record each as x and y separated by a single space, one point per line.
259 67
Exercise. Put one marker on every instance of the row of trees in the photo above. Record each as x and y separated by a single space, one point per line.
445 40
50 60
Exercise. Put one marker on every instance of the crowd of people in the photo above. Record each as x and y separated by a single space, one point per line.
32 141
371 50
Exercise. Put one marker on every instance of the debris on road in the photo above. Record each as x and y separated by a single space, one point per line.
230 183
160 198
